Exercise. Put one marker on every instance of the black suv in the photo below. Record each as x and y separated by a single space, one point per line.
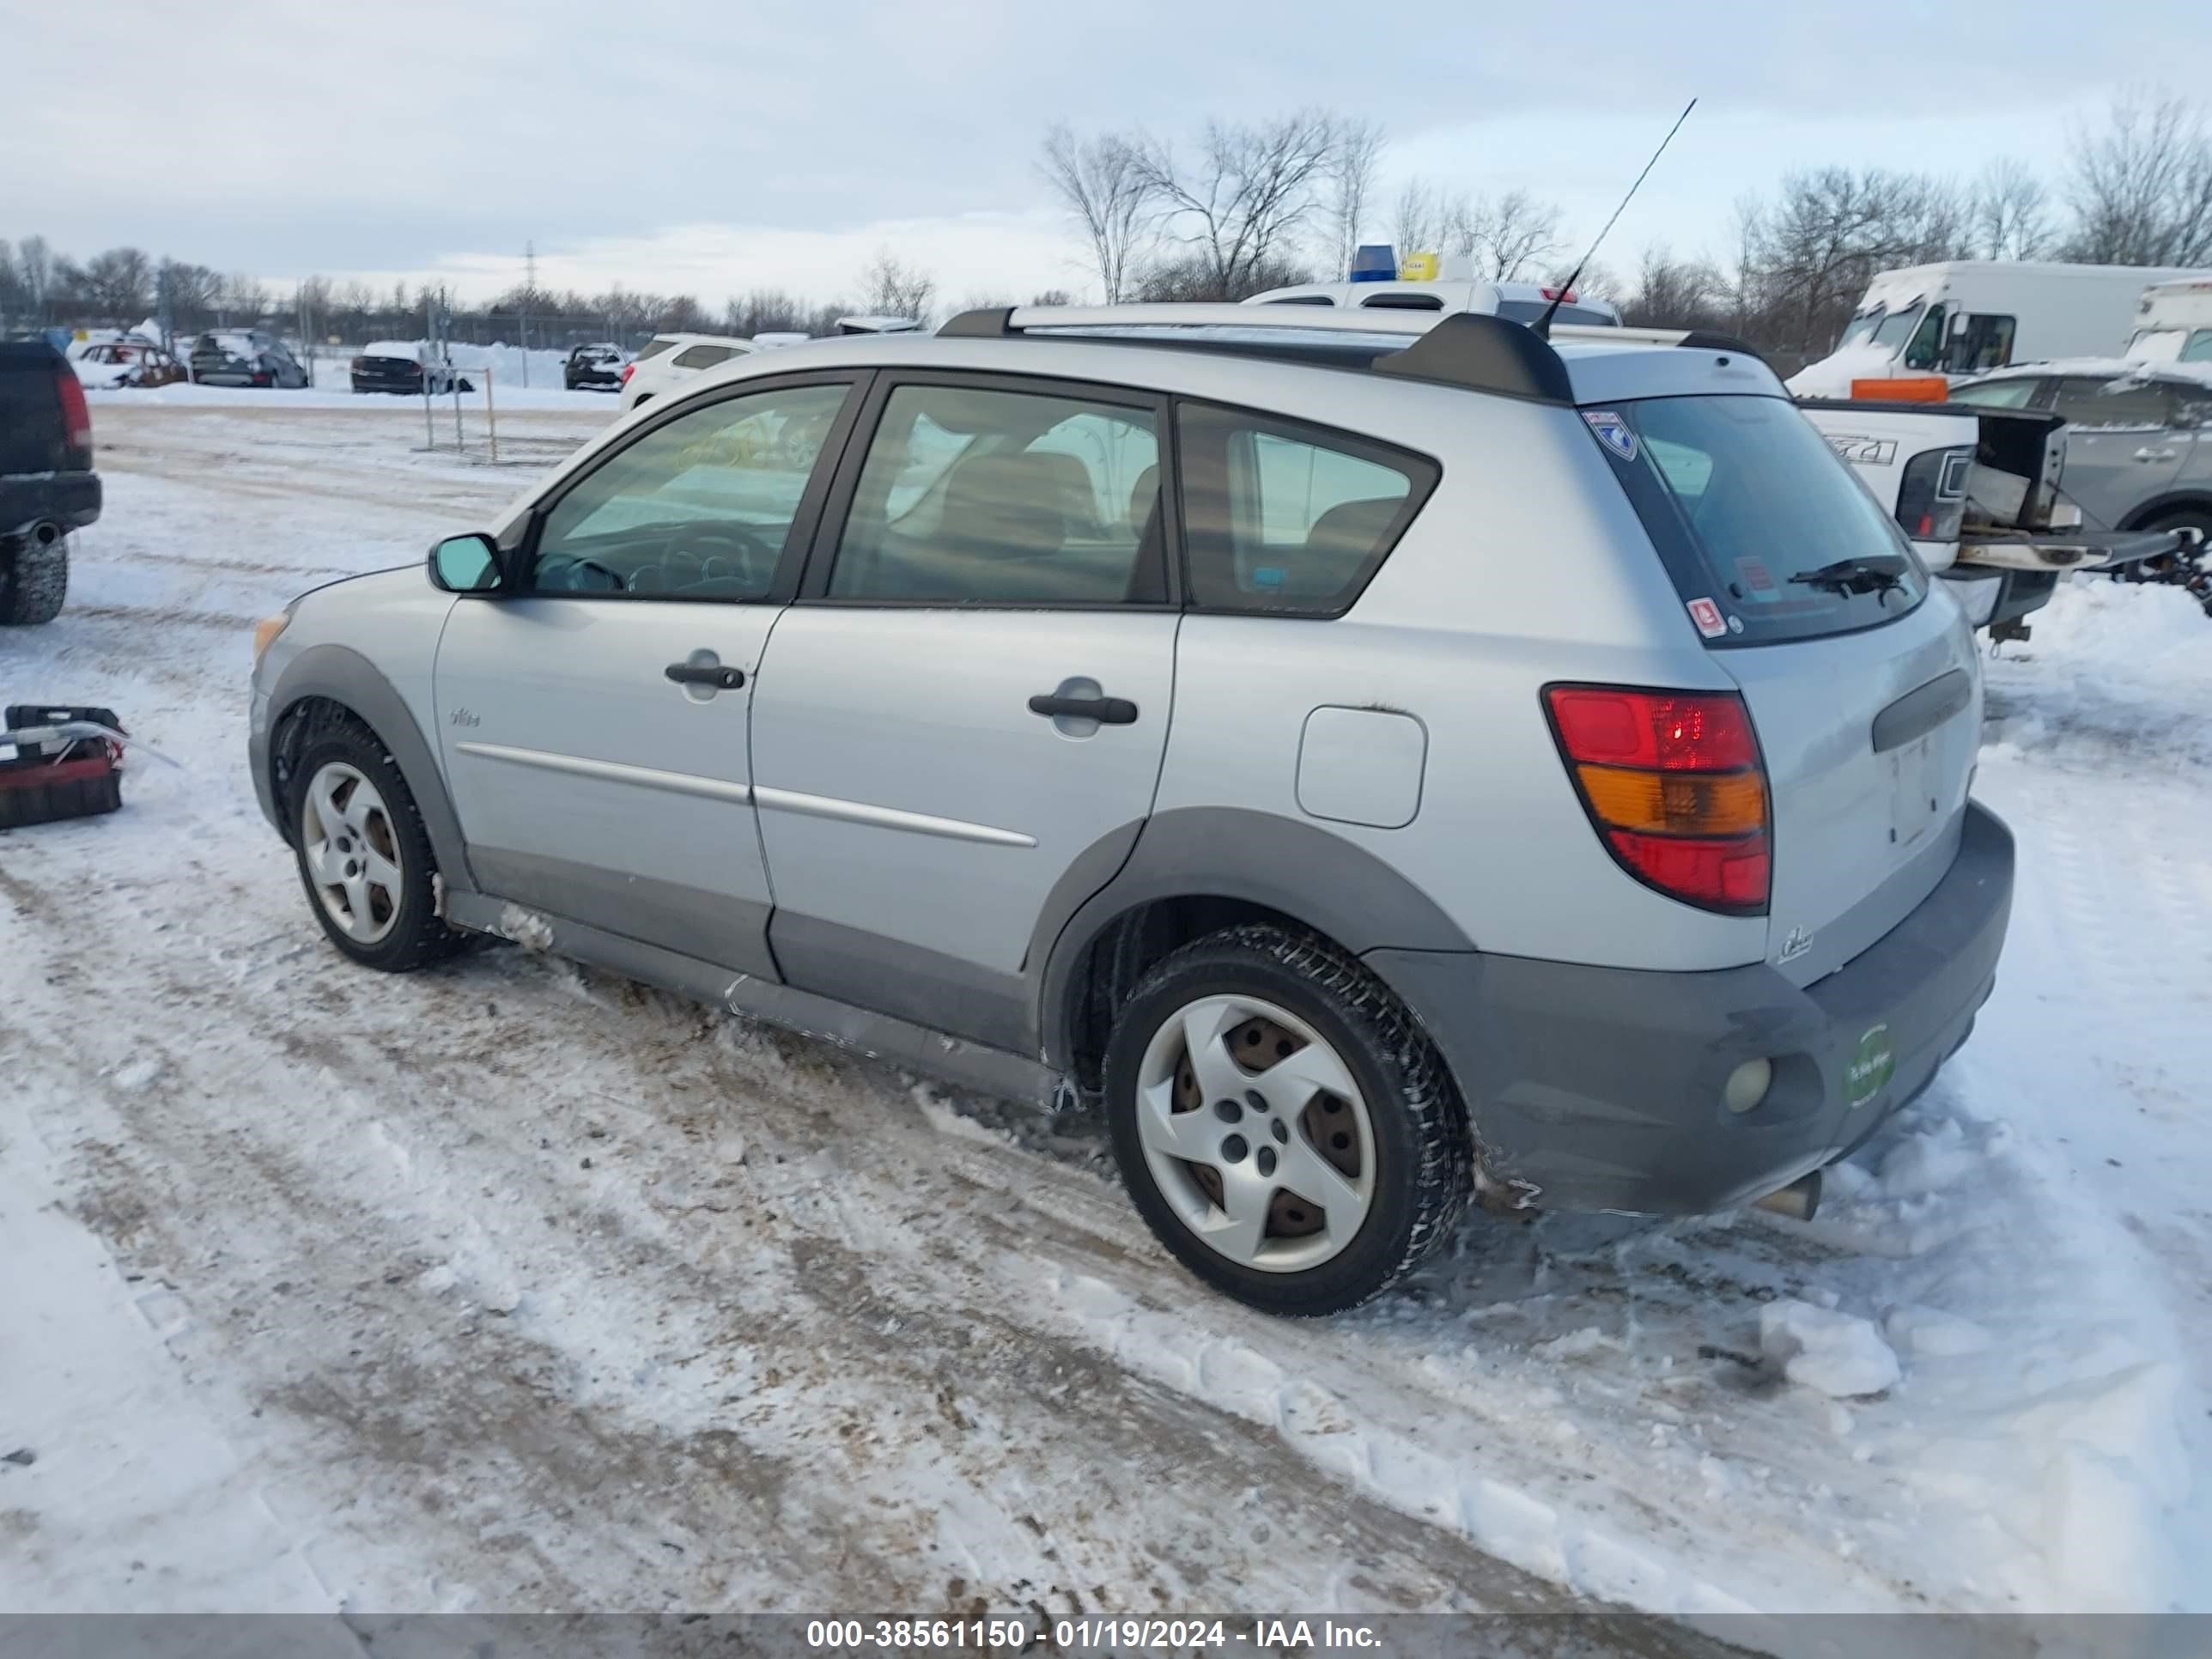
594 369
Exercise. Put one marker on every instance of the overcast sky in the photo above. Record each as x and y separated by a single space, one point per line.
710 147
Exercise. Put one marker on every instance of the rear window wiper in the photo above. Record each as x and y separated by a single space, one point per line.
1881 574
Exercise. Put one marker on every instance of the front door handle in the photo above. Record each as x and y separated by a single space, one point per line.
1107 711
705 673
2148 454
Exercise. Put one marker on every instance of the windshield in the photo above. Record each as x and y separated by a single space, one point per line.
1859 327
1753 513
1896 329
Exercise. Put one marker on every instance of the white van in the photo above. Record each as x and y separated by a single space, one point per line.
2173 324
1517 302
1969 316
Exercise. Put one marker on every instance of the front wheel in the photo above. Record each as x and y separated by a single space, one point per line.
1283 1125
364 854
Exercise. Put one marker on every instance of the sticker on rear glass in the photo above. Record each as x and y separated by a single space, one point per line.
1707 616
1754 582
1613 432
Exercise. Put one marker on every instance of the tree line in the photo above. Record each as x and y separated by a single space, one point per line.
1236 207
1242 207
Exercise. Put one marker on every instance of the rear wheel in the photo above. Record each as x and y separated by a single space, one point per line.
1281 1124
364 856
34 581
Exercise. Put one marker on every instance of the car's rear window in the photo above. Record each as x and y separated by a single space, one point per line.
1767 535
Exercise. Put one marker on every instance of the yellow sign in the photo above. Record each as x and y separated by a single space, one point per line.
1418 268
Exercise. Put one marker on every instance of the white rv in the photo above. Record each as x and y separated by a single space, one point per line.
2173 324
1968 317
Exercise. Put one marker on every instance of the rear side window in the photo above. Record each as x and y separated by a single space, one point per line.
1286 518
1767 533
2015 393
2090 404
701 357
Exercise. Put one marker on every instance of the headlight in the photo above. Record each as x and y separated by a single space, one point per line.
266 632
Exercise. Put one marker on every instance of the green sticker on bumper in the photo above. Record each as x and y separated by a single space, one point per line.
1870 1067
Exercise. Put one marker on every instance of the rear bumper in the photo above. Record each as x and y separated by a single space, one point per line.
70 500
1991 596
1600 1088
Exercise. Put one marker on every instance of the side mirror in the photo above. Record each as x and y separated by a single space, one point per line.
465 564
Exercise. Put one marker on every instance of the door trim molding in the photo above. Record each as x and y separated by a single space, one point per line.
885 817
643 777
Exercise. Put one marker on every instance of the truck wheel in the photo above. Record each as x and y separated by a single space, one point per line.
1282 1124
33 581
364 856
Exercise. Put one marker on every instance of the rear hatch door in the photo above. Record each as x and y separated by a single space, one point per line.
1859 674
32 434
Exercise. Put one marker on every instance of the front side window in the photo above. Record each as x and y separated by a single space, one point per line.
2198 347
2017 392
1984 343
1926 350
1282 516
699 508
2088 402
973 496
1753 513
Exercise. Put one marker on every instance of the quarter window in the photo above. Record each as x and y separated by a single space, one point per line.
1286 518
699 508
971 497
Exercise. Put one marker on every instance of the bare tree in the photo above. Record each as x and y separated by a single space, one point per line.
1671 293
1351 186
1417 218
1808 256
891 287
34 261
2009 211
1245 198
2141 188
1104 184
1517 233
119 282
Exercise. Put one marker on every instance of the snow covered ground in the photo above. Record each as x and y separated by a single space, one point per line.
514 1286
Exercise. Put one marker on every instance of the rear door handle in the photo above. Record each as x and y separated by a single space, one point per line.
2148 454
705 673
1107 711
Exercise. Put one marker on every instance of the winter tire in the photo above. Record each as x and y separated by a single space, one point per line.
1283 1125
33 582
364 856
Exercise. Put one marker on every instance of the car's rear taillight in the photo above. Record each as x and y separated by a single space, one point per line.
1931 495
629 369
77 414
1673 784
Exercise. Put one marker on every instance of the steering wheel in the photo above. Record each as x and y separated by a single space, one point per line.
704 546
613 581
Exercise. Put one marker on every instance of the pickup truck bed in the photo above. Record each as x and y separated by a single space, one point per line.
47 484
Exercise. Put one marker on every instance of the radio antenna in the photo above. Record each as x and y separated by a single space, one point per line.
1544 322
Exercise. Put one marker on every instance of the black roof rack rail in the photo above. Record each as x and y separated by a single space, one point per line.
1473 350
1483 353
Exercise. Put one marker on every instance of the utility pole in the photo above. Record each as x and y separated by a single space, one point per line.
529 292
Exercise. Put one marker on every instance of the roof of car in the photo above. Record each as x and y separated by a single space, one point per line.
1468 351
2118 369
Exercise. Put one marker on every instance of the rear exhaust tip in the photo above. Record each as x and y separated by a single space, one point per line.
44 533
1800 1200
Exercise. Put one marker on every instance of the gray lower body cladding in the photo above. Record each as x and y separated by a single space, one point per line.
1602 1087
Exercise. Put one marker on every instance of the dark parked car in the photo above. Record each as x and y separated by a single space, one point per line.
400 366
47 486
245 357
594 368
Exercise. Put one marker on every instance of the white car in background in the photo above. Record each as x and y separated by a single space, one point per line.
1517 302
667 360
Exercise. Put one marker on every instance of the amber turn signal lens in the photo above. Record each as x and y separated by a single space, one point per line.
266 632
1676 803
